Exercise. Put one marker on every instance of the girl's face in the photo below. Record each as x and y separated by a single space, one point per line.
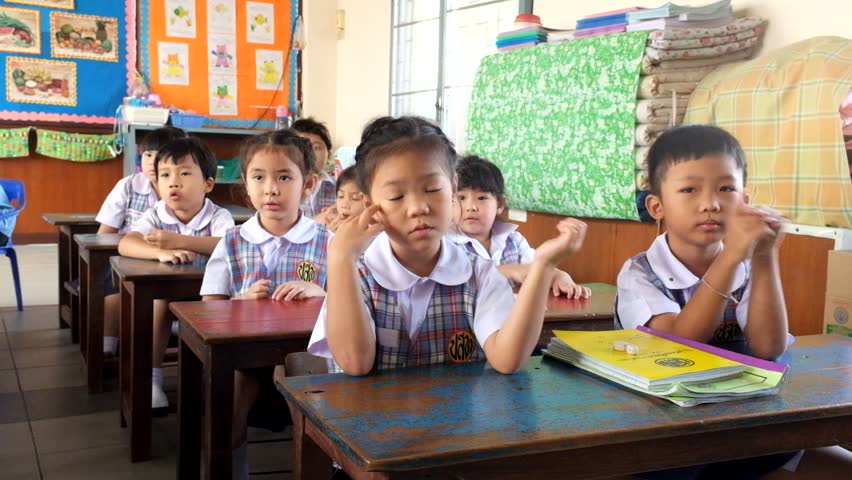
320 150
416 197
475 212
276 186
350 200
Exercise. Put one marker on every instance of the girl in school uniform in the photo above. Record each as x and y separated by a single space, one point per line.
320 200
402 294
480 198
350 198
279 253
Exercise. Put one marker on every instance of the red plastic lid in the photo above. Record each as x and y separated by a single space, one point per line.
528 18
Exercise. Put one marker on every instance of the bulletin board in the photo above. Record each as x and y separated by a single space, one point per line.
65 60
226 59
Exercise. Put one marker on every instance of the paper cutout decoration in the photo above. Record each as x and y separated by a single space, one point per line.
20 30
260 22
174 63
32 80
83 36
180 18
270 67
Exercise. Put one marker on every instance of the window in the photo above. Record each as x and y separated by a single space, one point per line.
436 48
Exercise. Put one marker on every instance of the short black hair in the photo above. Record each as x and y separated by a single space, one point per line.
386 136
191 147
156 139
479 174
298 150
690 142
309 125
350 174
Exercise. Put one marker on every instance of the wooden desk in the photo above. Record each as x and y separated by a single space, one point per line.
224 336
565 313
68 225
95 251
470 421
142 281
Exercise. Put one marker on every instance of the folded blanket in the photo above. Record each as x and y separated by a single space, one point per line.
649 87
646 134
660 110
650 66
705 52
641 157
739 25
672 44
643 183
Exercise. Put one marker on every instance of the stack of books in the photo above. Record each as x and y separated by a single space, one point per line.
605 22
672 15
681 371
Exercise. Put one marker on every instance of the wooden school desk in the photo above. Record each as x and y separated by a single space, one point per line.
551 420
95 251
223 336
594 313
142 281
68 225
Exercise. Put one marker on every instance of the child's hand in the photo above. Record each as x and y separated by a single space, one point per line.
297 290
176 256
163 239
335 223
326 215
570 239
354 234
770 244
746 226
258 290
564 284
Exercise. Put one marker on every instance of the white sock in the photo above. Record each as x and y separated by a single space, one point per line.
239 462
110 344
157 377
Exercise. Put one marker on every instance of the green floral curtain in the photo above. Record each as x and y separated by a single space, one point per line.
77 147
14 142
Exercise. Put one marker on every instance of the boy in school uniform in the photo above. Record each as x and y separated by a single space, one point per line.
178 228
319 204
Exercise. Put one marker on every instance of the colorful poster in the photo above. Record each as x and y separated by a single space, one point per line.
32 80
174 63
260 22
180 18
270 68
83 36
221 17
66 4
20 30
223 54
223 94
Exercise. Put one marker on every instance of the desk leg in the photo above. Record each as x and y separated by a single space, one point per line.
73 269
124 352
140 342
219 412
94 318
309 460
189 416
83 305
63 249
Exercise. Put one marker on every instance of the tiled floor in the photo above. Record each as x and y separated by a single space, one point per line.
52 428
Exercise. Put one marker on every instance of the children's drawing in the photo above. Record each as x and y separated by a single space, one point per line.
173 63
260 22
270 67
223 95
221 17
83 36
180 18
223 54
66 4
32 80
20 30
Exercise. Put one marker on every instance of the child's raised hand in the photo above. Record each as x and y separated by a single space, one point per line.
745 228
326 215
335 222
354 234
163 239
297 290
570 239
769 244
564 284
258 290
176 256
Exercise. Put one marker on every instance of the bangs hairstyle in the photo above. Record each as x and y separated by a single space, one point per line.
157 139
296 148
690 142
187 147
348 175
479 174
309 125
387 136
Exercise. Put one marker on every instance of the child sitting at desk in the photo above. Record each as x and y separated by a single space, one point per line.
479 199
127 201
176 229
350 198
279 254
713 276
321 197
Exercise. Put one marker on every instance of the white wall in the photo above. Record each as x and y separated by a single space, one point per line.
319 62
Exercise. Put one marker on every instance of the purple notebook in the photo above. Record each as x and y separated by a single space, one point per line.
721 352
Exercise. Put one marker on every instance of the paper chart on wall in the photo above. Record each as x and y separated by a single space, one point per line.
269 66
222 52
173 60
221 17
260 22
181 16
223 94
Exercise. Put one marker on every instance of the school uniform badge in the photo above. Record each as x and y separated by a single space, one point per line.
461 346
307 271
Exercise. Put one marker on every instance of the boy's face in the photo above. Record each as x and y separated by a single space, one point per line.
475 212
320 150
148 165
182 186
350 200
697 197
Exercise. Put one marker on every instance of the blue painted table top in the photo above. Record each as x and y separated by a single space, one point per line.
439 415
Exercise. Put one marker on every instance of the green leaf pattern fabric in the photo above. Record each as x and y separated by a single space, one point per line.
14 142
559 121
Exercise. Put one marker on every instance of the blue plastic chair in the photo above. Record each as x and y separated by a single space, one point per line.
15 191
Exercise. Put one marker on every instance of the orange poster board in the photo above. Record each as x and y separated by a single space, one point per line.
227 59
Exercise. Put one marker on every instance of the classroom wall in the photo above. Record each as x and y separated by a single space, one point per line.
319 62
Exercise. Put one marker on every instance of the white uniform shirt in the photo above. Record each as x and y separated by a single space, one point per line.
500 232
219 219
493 302
114 209
217 274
